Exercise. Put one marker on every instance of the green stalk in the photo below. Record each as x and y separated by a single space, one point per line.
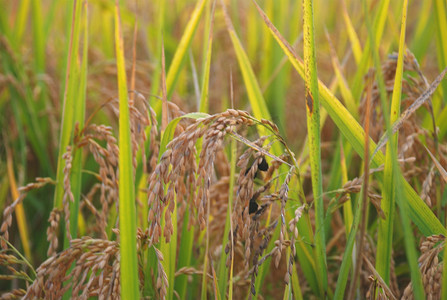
38 38
353 38
206 262
395 176
169 250
379 25
19 210
267 45
385 234
424 30
257 101
78 73
204 108
347 206
207 65
276 99
222 269
22 18
296 288
127 214
25 107
69 105
419 212
16 110
347 254
184 260
49 22
187 237
39 47
409 240
440 11
313 131
183 46
79 116
273 73
349 100
444 275
442 123
260 111
159 27
252 34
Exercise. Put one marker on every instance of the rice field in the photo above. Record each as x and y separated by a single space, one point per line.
223 149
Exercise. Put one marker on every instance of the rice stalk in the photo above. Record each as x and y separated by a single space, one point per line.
385 238
71 103
204 98
239 180
349 127
379 25
19 210
184 44
128 261
313 131
353 37
439 9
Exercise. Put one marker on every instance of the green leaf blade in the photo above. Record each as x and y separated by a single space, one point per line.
127 213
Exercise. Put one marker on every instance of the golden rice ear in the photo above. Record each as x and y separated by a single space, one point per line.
431 268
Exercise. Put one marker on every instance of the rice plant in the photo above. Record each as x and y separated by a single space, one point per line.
223 149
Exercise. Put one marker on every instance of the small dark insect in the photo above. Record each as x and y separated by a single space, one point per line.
261 210
256 209
262 166
253 207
